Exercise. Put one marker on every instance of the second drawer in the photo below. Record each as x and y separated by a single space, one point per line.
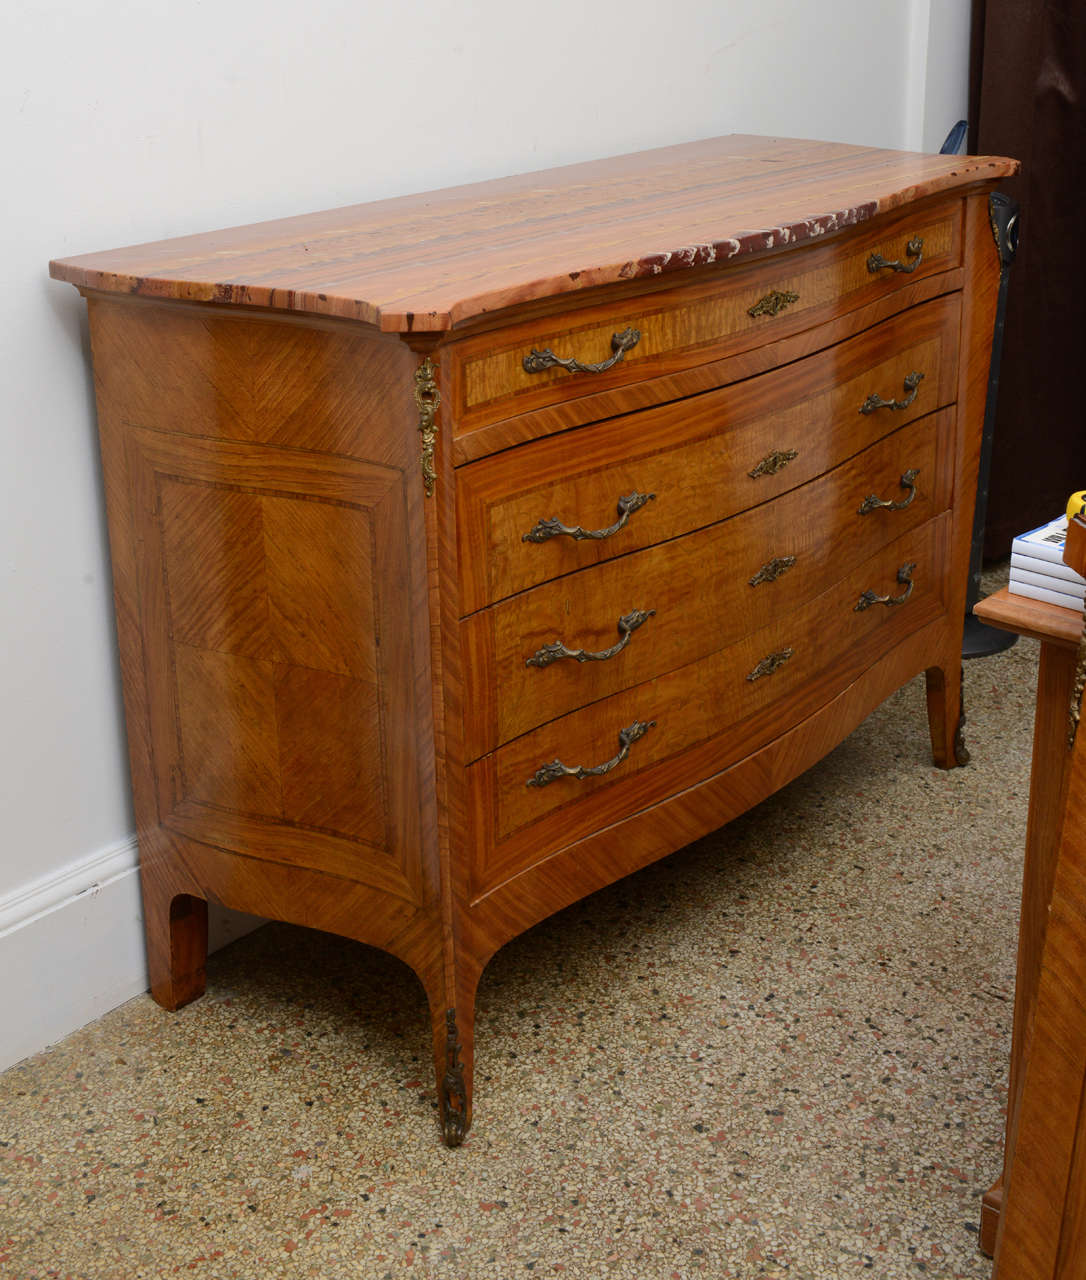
570 642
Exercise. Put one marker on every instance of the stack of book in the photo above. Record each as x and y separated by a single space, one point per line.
1038 570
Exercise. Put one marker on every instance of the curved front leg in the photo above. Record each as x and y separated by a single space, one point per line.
454 1061
946 715
175 928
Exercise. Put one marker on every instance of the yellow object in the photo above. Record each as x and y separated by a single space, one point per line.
1076 504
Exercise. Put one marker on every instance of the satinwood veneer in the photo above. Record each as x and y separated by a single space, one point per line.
474 549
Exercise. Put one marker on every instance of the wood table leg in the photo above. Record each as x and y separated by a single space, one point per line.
1048 780
946 714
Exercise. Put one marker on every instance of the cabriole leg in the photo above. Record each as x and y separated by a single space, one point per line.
454 1046
176 931
946 715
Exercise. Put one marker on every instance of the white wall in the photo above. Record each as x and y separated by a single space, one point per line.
130 120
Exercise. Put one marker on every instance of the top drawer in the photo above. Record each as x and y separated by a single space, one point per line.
499 374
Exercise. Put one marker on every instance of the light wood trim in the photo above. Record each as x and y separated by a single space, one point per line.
1042 1227
1037 619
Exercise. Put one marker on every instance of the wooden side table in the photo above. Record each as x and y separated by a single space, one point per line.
1059 631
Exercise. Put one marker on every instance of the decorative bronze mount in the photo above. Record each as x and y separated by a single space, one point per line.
773 462
772 662
1077 690
772 569
428 399
773 303
961 751
621 342
453 1095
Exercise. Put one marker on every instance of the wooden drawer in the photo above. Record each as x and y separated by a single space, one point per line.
705 590
703 458
681 327
718 705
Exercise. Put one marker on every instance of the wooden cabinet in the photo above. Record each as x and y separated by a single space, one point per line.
474 549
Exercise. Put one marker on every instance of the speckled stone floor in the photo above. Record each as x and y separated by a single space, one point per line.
780 1052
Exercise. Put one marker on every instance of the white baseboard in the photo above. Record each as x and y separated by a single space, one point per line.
71 947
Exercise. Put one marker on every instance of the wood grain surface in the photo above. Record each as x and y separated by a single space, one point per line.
696 455
1042 1229
711 701
719 312
323 726
704 590
427 262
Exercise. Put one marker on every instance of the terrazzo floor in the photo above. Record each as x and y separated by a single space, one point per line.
780 1052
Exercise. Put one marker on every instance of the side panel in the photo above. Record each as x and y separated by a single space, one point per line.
270 575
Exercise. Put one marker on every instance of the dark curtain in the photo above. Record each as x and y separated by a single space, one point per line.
1027 91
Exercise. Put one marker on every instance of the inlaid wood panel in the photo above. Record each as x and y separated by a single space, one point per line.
233 375
705 590
291 601
702 321
272 726
695 455
712 700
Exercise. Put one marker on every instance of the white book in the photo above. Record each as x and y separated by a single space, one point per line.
1050 568
1049 582
1042 593
1045 543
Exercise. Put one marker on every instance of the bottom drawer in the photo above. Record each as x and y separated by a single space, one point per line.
594 766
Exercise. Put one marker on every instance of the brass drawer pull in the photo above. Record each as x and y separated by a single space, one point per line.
773 303
554 528
547 773
904 576
772 662
912 386
773 462
772 569
914 249
874 503
627 625
537 361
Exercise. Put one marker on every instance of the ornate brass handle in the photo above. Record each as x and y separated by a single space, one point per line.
537 361
772 569
547 773
627 625
542 530
772 662
914 249
904 576
912 386
874 503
